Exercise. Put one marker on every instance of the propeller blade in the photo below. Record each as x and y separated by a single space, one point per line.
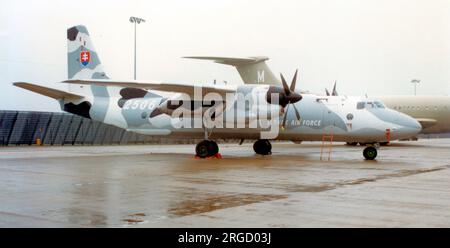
297 113
294 81
334 89
285 117
287 91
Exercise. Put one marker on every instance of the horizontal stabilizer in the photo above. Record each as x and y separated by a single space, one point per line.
231 61
253 70
53 93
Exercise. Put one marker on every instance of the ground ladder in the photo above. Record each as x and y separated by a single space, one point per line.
327 145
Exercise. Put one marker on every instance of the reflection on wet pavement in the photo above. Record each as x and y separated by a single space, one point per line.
211 203
402 173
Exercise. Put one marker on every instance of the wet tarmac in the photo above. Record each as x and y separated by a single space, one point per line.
164 186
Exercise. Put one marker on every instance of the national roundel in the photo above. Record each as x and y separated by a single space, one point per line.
85 57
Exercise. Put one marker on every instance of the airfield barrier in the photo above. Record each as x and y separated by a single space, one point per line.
56 129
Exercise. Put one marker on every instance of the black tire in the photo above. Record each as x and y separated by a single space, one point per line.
201 150
370 153
213 148
206 148
262 147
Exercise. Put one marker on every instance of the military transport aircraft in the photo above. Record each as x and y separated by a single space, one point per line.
262 111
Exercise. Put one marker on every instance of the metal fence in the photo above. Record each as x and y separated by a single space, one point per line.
49 128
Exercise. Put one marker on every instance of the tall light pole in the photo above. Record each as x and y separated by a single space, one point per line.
415 82
135 20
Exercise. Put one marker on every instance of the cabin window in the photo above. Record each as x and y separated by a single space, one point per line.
370 105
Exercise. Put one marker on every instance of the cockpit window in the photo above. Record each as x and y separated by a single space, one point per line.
380 105
360 105
370 105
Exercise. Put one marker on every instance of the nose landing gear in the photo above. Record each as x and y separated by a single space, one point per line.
262 147
370 153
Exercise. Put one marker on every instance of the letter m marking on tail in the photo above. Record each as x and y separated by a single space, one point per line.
260 76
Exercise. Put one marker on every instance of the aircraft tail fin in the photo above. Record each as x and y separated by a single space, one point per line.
253 70
82 59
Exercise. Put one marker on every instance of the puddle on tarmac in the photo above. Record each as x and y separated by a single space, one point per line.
134 218
402 173
312 188
326 187
208 204
216 202
138 214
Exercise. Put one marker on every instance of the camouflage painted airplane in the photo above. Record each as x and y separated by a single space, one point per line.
264 109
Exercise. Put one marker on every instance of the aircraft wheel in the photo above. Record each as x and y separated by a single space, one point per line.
370 153
206 148
262 147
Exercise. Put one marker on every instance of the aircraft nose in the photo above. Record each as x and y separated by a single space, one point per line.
409 127
416 125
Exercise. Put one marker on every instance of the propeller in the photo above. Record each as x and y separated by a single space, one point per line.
286 96
334 92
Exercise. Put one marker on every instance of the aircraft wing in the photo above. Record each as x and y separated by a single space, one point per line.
426 123
169 87
53 93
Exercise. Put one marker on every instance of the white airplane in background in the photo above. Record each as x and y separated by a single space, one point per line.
267 110
432 112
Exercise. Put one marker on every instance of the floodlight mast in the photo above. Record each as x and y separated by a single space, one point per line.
135 20
415 82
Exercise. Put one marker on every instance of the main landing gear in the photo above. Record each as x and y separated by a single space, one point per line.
262 147
207 148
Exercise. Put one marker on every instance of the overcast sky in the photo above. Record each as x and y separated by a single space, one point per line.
369 46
